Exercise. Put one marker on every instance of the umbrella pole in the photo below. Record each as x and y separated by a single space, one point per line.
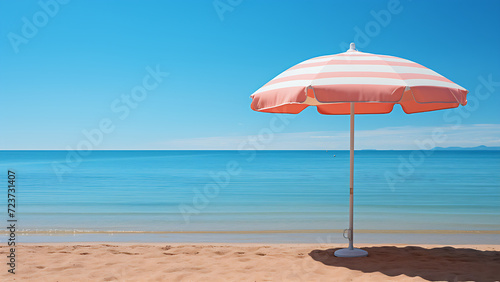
351 251
351 181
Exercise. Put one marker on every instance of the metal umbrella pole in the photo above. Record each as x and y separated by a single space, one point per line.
351 251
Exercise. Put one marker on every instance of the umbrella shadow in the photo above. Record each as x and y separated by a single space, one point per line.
442 264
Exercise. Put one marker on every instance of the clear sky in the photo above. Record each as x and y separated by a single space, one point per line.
66 68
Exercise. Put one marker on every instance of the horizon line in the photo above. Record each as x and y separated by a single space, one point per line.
484 148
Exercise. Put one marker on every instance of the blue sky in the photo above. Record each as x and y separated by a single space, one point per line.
63 76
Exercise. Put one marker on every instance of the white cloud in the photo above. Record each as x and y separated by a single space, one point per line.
388 138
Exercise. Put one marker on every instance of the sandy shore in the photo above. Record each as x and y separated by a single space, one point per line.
248 262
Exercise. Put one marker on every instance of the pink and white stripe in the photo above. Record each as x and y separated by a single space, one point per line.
375 83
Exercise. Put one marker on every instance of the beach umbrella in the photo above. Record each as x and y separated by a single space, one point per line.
353 83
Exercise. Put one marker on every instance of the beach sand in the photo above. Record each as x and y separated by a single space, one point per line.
248 262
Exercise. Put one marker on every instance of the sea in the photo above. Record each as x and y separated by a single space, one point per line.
416 196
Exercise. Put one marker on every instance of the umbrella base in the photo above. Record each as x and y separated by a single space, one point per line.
351 253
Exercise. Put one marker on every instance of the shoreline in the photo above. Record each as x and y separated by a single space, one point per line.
469 238
478 246
296 231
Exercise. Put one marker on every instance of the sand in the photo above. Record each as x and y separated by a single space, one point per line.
248 262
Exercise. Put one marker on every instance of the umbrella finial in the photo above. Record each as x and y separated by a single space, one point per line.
352 47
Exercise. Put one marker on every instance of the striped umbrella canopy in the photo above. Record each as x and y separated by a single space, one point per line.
352 83
373 82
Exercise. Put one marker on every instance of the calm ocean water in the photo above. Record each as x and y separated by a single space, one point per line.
237 191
